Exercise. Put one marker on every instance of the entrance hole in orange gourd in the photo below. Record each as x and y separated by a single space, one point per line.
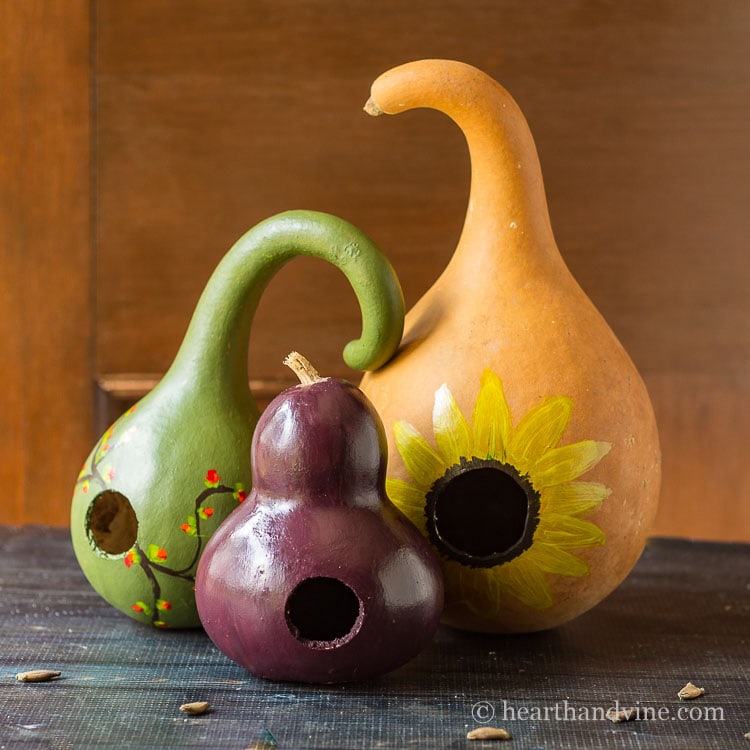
482 512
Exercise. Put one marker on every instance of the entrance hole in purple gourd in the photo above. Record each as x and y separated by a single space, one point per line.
111 523
323 612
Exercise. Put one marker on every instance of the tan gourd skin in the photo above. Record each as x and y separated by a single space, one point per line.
506 301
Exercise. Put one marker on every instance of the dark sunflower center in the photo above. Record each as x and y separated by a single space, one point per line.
482 512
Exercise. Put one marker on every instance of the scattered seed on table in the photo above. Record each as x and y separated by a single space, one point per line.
488 733
689 692
265 741
195 709
38 675
625 714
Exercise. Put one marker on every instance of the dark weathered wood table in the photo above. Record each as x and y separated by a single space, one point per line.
683 615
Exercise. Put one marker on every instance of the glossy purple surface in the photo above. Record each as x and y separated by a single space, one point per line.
318 509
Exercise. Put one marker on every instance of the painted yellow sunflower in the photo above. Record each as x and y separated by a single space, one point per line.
501 503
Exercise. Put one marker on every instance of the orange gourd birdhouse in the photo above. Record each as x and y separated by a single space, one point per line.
522 439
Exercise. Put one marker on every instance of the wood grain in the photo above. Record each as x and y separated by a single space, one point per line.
212 119
704 421
208 117
681 615
45 385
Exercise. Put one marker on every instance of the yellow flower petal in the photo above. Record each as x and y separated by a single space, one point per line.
452 574
481 591
568 532
573 498
409 499
538 431
523 580
405 495
451 430
491 420
568 462
423 464
553 560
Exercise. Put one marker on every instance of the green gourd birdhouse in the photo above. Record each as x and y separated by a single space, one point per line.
522 440
162 478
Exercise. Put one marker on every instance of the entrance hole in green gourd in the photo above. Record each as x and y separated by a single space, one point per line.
482 512
323 612
111 523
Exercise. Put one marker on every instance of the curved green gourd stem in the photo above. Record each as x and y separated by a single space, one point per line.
220 327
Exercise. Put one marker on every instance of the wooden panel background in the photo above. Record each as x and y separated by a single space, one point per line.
210 116
45 312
